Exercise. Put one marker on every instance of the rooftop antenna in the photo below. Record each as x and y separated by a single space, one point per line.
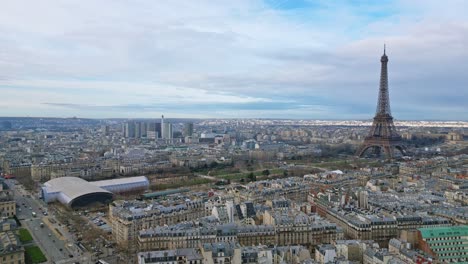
384 48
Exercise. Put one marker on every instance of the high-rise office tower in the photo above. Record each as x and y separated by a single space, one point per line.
129 131
105 129
188 129
158 130
137 129
166 130
153 132
143 129
162 126
140 129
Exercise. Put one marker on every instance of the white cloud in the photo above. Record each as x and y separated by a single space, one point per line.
112 93
107 53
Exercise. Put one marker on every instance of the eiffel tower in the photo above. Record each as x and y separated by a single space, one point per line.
382 135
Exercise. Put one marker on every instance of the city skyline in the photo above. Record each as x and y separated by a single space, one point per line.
242 59
233 131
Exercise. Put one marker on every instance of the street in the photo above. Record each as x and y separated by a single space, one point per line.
54 241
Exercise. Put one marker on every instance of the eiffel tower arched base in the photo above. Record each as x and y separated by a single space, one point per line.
388 148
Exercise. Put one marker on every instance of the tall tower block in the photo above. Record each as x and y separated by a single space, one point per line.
162 126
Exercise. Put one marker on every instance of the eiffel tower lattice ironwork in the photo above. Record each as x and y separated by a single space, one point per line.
382 135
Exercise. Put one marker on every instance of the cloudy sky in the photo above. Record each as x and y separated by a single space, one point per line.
313 59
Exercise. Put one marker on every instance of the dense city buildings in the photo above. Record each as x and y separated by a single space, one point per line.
232 191
128 218
233 132
7 202
11 248
257 191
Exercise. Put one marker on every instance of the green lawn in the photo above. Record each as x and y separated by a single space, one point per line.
237 176
24 235
34 255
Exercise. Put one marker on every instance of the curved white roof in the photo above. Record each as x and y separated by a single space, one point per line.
66 189
127 180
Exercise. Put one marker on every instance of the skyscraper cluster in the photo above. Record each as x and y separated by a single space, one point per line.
152 130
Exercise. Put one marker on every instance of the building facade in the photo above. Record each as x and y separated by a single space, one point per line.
129 217
447 244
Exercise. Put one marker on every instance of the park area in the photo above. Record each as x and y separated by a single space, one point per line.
34 255
24 235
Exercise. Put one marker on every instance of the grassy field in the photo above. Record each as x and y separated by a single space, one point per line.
216 171
241 175
34 255
24 235
231 173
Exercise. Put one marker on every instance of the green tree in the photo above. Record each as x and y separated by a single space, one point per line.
252 177
213 164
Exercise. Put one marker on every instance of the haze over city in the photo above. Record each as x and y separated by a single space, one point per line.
232 59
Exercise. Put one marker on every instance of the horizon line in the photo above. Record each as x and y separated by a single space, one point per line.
232 118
